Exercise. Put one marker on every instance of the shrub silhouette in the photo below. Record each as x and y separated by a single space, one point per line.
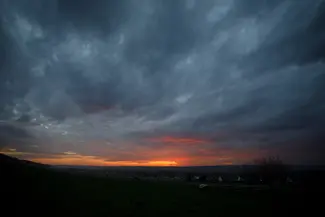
271 170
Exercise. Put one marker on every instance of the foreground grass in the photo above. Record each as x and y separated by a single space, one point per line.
44 192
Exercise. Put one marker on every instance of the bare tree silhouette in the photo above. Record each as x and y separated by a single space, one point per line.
271 170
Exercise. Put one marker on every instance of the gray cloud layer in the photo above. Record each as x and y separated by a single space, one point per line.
241 73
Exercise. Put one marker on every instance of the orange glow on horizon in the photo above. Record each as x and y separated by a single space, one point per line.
94 161
158 159
72 158
145 156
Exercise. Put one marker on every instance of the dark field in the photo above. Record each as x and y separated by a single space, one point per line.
35 190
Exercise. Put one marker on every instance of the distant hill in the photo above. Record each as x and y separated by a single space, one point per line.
5 159
10 165
199 169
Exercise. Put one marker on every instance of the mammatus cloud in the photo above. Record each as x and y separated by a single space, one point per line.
188 81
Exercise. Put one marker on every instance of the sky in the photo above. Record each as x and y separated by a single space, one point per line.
162 82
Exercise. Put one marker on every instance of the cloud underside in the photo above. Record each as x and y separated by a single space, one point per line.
155 82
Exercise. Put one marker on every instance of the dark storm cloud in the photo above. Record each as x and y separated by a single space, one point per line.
9 134
238 73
